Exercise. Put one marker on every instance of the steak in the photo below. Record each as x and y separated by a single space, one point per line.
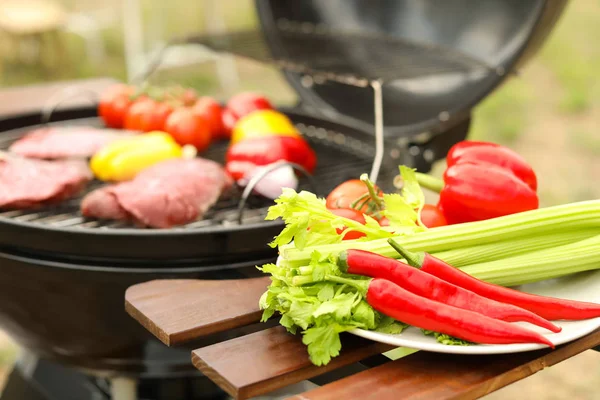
170 193
71 142
29 183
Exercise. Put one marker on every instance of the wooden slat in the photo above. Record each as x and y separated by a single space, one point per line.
271 359
432 376
176 311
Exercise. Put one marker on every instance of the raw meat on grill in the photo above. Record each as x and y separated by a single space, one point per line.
71 142
29 183
170 193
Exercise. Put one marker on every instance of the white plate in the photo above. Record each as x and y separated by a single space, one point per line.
583 286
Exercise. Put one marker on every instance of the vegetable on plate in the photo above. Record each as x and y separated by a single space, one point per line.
123 159
547 307
398 303
428 285
320 294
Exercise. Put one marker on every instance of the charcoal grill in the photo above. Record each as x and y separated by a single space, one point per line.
380 84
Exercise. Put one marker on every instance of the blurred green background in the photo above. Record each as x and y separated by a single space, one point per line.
550 113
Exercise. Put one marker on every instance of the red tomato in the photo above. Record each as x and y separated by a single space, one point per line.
189 97
147 115
186 127
209 109
352 214
347 193
243 104
113 105
432 216
384 222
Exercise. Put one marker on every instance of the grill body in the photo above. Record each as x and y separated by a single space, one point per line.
63 277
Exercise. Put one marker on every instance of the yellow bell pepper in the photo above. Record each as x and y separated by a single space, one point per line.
263 123
123 159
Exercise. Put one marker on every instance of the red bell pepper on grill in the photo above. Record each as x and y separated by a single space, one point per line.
546 307
242 157
402 305
360 262
492 153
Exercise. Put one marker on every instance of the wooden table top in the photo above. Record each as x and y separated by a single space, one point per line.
269 358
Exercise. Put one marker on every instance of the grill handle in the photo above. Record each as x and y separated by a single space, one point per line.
63 95
258 177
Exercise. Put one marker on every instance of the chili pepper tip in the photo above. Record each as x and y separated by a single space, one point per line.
342 261
414 259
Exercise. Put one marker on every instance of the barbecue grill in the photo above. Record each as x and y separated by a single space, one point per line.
380 84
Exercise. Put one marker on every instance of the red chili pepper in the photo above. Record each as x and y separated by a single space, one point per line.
352 214
402 305
491 153
247 154
546 307
360 262
475 192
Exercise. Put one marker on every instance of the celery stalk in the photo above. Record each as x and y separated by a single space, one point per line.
572 216
508 248
539 265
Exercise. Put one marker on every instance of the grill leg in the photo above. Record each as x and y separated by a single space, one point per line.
123 388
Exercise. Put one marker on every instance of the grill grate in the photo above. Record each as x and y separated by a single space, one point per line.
339 56
340 157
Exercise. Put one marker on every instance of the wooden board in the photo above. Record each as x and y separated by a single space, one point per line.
180 310
432 376
271 359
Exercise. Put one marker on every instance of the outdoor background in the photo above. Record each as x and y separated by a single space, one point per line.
550 114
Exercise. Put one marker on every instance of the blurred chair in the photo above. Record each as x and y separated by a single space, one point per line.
32 29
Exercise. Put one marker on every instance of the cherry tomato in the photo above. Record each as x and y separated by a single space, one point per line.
189 97
113 105
147 115
344 195
352 214
384 222
209 109
243 104
186 127
432 216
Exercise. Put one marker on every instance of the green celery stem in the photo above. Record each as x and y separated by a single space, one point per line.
430 182
414 259
362 285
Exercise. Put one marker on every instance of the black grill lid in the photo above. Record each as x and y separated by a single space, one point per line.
436 59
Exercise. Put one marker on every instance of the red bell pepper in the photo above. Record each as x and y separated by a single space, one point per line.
492 153
475 192
242 157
